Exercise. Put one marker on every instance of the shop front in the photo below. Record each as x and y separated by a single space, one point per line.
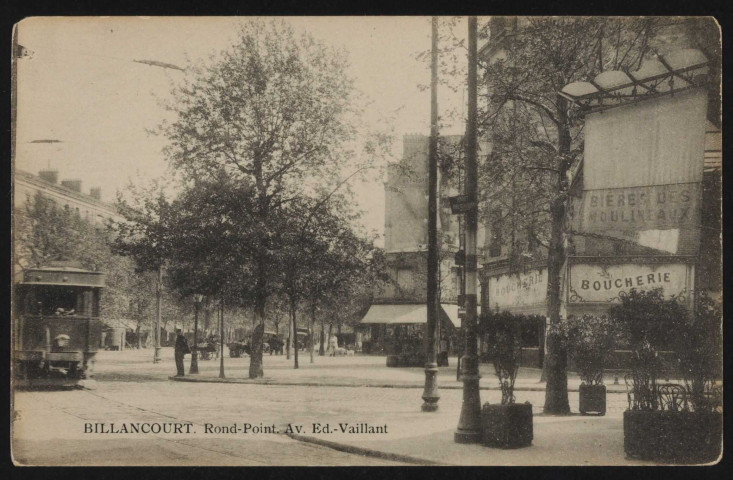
523 294
595 284
399 329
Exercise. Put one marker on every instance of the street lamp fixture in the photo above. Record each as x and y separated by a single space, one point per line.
197 298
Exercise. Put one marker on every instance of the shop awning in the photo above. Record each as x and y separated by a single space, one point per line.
413 313
680 70
451 310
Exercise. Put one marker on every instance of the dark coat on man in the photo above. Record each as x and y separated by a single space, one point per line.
181 349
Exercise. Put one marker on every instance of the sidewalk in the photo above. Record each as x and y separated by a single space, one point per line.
365 371
420 438
572 440
389 422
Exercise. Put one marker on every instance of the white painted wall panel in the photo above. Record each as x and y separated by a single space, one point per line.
654 142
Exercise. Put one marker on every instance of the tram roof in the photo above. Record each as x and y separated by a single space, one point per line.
62 276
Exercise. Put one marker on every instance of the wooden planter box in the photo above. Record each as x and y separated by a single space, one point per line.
406 360
393 361
592 399
675 437
506 426
412 360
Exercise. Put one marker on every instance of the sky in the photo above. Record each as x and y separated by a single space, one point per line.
80 86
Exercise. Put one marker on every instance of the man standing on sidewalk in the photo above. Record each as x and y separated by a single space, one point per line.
180 351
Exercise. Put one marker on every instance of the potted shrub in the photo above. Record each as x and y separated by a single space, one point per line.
591 339
671 422
508 424
699 351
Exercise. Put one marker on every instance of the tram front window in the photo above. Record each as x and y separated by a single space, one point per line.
58 300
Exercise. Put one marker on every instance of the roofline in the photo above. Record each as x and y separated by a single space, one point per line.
61 189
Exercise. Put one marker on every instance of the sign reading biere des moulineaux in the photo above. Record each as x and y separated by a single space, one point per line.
661 216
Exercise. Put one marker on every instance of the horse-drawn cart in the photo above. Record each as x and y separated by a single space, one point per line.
271 343
207 350
236 349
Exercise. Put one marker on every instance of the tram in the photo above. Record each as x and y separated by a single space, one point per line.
56 326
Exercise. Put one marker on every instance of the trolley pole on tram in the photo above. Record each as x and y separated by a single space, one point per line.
430 394
469 424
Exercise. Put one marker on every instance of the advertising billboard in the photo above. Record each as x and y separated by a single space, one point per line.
663 217
642 174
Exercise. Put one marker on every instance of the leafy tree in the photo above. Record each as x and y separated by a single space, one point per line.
143 235
321 256
46 232
211 239
273 111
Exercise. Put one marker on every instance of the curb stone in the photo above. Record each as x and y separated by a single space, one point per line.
271 381
367 452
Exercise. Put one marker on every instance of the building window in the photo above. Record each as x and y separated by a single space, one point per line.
404 278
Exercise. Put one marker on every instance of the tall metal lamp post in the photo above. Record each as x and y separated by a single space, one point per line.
469 423
159 295
197 298
430 394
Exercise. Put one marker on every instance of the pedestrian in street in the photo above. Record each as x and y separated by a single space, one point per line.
181 350
333 345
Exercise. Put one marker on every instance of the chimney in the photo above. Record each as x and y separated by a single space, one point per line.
74 185
50 176
95 193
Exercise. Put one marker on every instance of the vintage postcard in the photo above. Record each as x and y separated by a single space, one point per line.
366 241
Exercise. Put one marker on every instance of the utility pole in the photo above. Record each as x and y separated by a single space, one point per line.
194 352
430 394
469 424
14 95
159 298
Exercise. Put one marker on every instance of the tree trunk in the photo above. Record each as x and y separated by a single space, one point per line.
255 363
295 332
321 350
206 315
262 274
288 340
330 332
311 324
556 391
